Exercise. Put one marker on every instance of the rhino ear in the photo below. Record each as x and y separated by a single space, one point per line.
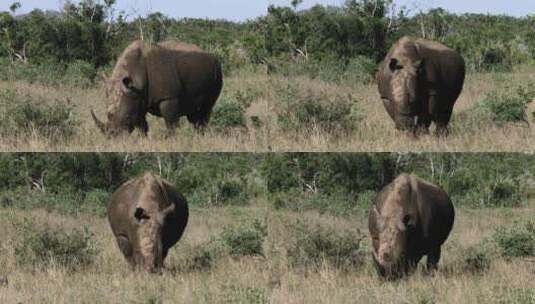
141 214
394 65
129 87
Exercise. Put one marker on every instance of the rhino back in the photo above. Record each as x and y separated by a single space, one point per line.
176 222
183 74
435 210
445 68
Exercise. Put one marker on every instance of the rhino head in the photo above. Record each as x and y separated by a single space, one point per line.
148 252
405 86
125 111
393 229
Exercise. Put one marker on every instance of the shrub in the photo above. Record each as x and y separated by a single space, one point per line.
66 203
94 203
314 245
79 74
204 256
24 114
44 246
505 106
517 296
492 191
516 240
240 294
245 239
338 203
354 70
423 296
241 240
228 115
478 259
231 191
335 114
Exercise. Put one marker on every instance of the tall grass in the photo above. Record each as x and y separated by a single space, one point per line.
199 271
261 113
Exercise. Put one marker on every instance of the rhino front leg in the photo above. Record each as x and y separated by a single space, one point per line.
422 124
170 113
433 257
441 113
144 127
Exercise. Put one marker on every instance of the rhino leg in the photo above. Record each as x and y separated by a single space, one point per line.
433 257
422 124
199 120
125 247
144 127
441 113
170 113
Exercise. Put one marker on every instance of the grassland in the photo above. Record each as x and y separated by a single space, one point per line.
265 100
268 279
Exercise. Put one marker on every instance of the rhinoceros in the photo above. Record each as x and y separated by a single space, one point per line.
419 82
409 218
147 217
169 79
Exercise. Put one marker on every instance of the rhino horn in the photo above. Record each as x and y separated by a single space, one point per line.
102 126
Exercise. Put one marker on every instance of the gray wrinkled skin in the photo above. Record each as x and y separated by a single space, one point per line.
169 80
419 82
410 218
147 217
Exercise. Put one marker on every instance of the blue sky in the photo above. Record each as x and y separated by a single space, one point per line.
244 9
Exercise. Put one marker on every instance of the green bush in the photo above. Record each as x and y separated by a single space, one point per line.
45 246
231 191
66 203
225 191
228 115
245 239
517 296
316 244
300 111
49 74
79 74
484 186
506 106
245 295
339 204
478 259
24 114
357 70
75 74
204 256
94 203
517 240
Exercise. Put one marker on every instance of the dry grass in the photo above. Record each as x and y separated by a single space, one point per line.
264 280
375 133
